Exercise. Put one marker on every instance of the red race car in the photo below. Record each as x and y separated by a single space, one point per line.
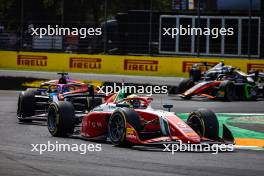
130 120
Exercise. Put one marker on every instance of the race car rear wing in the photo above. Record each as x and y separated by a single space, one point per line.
205 64
256 75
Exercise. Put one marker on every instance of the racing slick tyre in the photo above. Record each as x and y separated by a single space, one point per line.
93 102
117 126
204 122
61 119
173 90
195 74
26 105
186 97
228 89
184 85
253 93
35 90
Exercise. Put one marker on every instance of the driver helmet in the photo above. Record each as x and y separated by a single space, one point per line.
62 80
222 63
132 96
226 70
134 103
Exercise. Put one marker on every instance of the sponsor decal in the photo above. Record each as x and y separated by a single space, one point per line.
191 134
130 133
181 125
187 65
141 65
85 63
94 124
32 60
255 67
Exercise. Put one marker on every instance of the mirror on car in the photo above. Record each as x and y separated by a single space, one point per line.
167 106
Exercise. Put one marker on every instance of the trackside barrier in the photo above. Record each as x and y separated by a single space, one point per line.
111 64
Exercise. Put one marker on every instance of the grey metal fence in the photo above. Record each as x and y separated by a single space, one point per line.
128 30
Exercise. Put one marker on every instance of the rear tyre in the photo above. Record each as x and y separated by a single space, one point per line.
61 119
93 102
184 85
117 126
253 91
34 90
26 105
186 97
173 90
195 74
228 88
204 122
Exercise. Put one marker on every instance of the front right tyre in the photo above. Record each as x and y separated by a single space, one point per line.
26 105
205 123
184 85
117 126
61 119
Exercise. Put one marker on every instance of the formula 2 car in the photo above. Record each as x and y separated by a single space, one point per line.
131 121
33 104
213 72
222 82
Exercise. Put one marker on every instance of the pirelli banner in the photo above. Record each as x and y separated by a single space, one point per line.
130 65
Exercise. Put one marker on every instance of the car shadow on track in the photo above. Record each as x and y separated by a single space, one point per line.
204 99
133 148
37 123
154 149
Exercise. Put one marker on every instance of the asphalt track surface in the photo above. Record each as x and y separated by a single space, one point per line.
16 157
